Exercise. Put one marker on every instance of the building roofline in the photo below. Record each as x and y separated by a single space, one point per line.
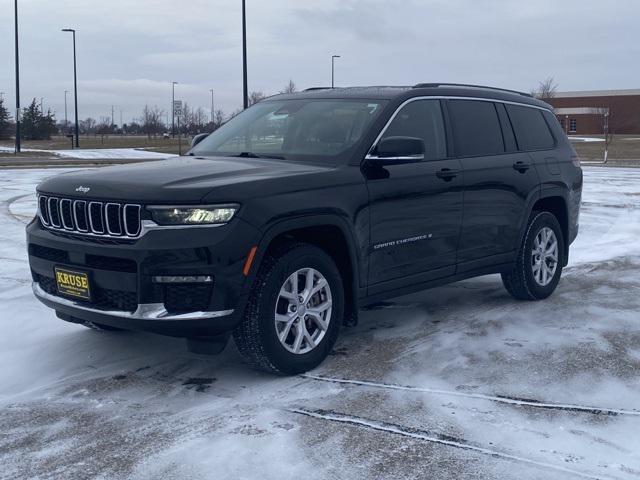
598 93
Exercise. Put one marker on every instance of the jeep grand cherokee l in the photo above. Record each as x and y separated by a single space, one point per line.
281 224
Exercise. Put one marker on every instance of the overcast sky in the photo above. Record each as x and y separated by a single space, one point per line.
129 51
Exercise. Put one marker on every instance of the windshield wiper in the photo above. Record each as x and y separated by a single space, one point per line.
255 155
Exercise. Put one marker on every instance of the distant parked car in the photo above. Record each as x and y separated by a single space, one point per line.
166 135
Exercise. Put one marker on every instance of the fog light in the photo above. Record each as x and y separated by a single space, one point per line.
183 279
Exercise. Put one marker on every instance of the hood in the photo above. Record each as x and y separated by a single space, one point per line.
179 180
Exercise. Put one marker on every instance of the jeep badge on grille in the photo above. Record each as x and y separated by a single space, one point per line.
83 189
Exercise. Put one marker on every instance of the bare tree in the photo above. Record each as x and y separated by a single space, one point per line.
219 119
290 88
546 90
255 97
152 120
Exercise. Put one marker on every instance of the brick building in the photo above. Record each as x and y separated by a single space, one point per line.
590 112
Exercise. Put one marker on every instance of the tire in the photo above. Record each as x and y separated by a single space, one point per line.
257 336
523 282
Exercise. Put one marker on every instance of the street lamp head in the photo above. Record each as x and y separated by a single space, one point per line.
335 56
68 30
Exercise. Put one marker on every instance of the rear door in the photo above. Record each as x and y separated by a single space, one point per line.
415 208
498 180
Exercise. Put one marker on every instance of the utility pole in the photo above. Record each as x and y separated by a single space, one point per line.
333 58
173 109
66 121
75 84
245 87
121 124
42 105
17 150
212 111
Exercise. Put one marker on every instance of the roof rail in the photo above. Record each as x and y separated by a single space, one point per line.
311 89
464 85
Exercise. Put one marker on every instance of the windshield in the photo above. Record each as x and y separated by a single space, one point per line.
322 129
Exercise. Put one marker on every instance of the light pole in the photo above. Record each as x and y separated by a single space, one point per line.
245 88
17 82
333 61
212 117
66 121
173 109
75 84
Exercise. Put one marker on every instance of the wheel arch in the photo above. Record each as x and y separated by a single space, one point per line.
555 202
331 234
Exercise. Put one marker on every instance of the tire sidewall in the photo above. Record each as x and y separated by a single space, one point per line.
281 358
541 220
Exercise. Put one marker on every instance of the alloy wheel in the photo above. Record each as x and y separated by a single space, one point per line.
303 310
544 256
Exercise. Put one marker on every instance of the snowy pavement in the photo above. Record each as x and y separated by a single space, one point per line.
458 382
98 153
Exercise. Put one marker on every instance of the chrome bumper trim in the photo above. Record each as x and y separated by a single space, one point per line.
145 311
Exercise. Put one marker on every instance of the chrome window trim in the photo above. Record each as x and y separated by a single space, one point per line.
106 219
95 231
75 215
64 225
369 156
49 200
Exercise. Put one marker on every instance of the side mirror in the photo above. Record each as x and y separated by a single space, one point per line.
397 150
198 138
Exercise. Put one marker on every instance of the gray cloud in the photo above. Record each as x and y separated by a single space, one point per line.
129 52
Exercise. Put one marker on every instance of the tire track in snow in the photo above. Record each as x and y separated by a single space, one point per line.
6 208
509 400
437 438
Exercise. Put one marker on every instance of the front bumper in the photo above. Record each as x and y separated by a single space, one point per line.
122 278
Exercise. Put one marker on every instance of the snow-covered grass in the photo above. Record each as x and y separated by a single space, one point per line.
442 384
98 153
585 139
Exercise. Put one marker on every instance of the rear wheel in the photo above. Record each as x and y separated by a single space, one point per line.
294 312
538 267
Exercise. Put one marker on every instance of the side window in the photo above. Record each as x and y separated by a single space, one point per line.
531 129
476 128
421 119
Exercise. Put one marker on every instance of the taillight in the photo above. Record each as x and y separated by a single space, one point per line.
575 159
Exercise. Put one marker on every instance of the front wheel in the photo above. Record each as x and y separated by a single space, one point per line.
536 272
294 312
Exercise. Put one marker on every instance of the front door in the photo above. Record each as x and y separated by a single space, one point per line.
415 208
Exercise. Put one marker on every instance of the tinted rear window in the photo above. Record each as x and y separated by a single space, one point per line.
476 128
530 127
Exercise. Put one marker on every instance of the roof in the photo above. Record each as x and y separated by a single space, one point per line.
422 89
597 93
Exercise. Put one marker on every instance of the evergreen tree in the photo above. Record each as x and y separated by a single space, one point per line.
35 124
5 121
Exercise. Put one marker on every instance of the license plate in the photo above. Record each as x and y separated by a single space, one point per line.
73 283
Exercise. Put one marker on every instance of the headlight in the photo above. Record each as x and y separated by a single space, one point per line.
205 215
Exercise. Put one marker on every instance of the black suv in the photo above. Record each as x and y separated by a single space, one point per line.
281 224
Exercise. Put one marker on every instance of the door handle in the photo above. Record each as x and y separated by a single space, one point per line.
447 174
521 166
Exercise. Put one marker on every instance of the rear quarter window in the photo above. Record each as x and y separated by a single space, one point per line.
530 127
476 128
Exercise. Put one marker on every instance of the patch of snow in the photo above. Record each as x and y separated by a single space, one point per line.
99 153
585 139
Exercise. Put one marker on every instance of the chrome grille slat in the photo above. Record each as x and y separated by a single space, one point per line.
113 211
90 218
66 214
